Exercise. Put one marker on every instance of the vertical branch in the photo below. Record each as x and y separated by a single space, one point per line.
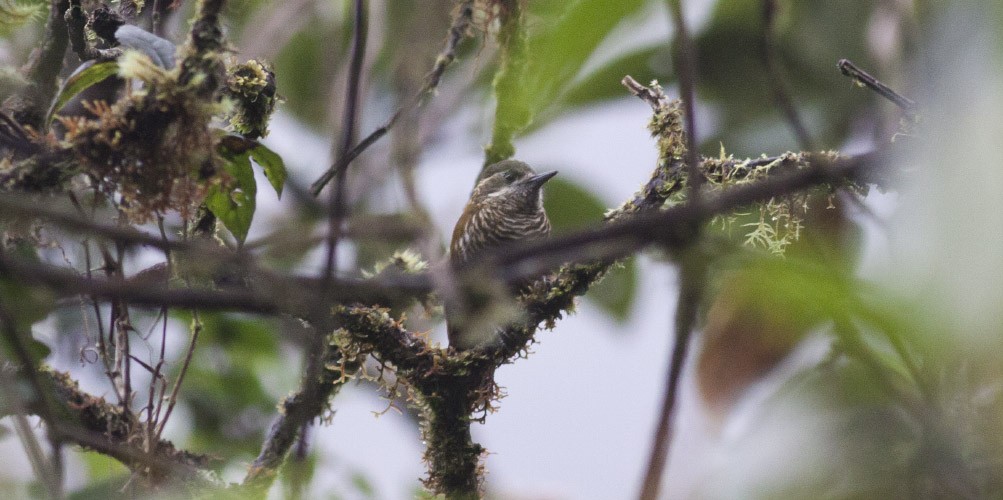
686 68
693 268
778 84
691 281
512 112
452 456
337 206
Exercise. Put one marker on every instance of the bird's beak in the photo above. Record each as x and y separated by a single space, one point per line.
538 180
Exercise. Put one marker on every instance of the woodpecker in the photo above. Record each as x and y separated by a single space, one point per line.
506 205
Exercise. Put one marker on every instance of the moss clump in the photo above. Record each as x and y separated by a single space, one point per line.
251 89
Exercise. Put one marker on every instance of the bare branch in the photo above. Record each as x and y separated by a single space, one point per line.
860 76
457 32
691 287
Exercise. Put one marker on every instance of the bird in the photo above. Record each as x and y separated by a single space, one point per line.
111 26
506 205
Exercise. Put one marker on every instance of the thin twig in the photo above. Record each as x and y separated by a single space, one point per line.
152 407
851 70
173 398
691 280
778 84
686 63
638 90
457 32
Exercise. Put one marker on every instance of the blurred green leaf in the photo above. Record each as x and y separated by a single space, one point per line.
234 205
16 13
101 467
307 65
27 306
570 206
732 74
229 406
644 65
363 485
88 74
272 164
558 52
616 292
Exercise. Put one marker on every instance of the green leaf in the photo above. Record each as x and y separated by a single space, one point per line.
102 467
272 164
235 147
26 307
558 54
88 74
363 486
234 204
616 292
644 65
570 206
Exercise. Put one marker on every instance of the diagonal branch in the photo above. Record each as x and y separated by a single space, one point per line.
862 77
294 413
457 32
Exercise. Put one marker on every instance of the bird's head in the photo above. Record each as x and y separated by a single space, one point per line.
512 181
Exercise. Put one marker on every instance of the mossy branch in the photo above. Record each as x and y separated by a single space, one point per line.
294 411
93 423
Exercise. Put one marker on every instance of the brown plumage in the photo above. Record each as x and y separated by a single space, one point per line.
506 205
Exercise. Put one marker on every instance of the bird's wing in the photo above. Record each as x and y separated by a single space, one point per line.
159 50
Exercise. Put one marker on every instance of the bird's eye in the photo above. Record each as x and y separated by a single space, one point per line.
508 175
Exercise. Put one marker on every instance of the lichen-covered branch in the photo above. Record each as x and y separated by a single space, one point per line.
294 412
93 423
373 330
76 24
449 387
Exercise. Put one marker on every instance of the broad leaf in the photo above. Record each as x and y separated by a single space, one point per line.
233 204
272 164
232 146
87 75
559 52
